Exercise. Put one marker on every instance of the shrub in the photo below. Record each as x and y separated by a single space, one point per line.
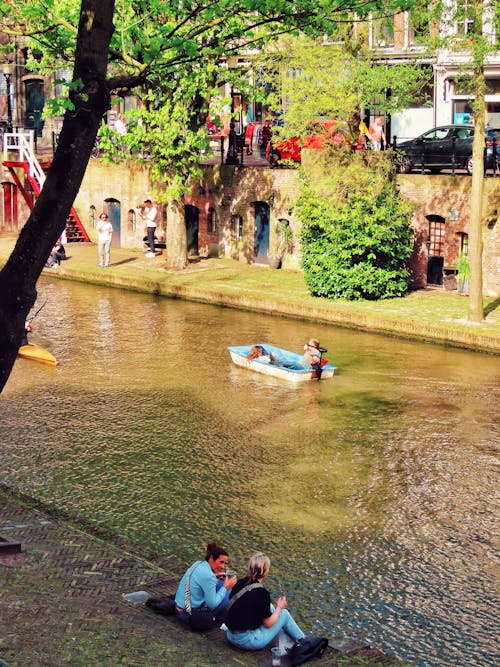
356 240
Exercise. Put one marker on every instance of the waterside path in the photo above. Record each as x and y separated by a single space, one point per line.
62 604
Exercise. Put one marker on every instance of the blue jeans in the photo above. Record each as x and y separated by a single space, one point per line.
151 239
256 639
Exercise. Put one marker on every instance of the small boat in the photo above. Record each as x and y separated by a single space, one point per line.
263 365
36 353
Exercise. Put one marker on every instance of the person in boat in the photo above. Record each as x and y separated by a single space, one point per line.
258 352
209 587
252 621
311 359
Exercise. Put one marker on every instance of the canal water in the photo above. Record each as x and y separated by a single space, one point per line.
374 493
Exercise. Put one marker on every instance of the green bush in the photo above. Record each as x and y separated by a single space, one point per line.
356 240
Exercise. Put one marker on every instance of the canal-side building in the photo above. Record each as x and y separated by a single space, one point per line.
245 213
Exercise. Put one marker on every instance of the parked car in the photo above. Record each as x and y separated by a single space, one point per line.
319 132
493 148
443 147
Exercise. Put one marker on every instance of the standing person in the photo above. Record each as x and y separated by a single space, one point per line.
104 234
205 587
377 134
121 125
265 136
150 214
252 621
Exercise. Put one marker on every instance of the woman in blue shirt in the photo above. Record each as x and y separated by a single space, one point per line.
209 586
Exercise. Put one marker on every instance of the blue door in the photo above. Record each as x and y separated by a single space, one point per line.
261 239
192 215
115 220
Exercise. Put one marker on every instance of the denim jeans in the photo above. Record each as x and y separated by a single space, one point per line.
151 239
262 636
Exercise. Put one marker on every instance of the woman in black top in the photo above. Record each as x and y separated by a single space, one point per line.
252 621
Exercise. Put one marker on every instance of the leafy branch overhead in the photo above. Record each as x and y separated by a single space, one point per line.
155 38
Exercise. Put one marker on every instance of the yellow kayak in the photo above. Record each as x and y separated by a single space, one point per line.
36 353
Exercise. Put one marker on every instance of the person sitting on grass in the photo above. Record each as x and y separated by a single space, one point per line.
252 621
205 587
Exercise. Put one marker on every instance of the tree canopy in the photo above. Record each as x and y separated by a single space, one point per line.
337 80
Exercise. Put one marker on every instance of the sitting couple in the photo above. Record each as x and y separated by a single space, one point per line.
310 360
244 605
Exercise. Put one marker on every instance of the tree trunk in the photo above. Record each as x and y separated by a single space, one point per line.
176 236
48 218
476 308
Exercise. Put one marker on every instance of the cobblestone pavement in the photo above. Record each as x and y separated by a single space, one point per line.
61 603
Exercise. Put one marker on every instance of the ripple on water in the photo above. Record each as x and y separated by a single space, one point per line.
373 493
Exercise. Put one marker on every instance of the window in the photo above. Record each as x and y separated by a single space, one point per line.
436 237
382 31
211 221
465 133
237 227
131 220
418 25
464 243
437 135
464 17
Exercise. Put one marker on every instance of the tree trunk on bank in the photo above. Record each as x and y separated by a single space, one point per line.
176 236
47 221
476 308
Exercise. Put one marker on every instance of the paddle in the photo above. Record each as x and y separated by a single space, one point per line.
35 314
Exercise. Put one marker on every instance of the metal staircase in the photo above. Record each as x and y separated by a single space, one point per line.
18 154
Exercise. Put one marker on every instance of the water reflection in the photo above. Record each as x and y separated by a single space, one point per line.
373 492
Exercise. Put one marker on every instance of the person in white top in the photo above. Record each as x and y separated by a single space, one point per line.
150 214
104 234
121 125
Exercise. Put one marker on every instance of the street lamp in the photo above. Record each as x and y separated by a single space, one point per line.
8 71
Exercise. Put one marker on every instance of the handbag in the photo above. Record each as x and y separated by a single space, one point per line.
202 618
306 648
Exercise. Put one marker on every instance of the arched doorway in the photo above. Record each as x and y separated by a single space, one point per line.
192 215
261 236
115 220
435 246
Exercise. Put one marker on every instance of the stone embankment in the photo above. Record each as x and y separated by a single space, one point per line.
62 604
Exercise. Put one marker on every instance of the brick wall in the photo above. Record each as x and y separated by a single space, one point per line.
232 191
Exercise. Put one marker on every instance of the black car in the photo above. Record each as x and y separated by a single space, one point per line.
445 147
493 148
